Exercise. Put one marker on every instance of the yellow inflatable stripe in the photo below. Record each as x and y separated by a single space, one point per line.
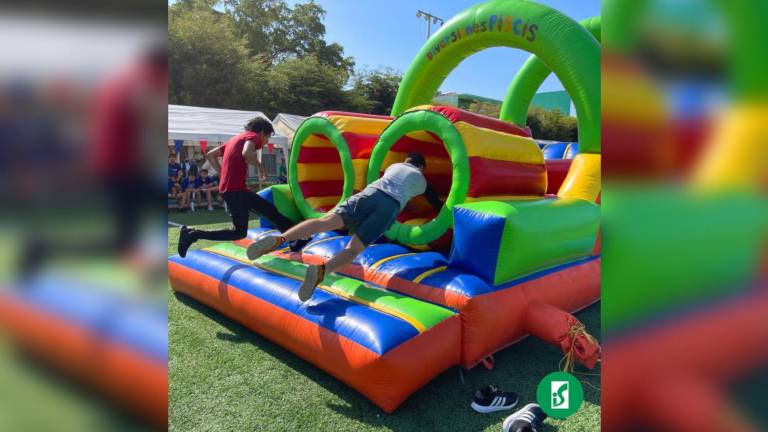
435 165
359 125
736 154
319 171
423 136
491 144
429 273
647 107
332 290
583 179
360 167
317 141
390 258
426 107
316 202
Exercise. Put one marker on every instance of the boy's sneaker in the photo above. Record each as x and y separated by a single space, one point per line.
185 241
263 246
313 278
491 399
210 208
528 419
298 245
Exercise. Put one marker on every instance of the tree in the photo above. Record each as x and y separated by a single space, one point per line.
379 87
280 33
305 86
485 108
552 125
208 62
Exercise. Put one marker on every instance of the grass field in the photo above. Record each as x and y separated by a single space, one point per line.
223 377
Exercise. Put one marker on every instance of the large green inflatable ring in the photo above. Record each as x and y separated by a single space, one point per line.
318 126
529 79
561 43
422 120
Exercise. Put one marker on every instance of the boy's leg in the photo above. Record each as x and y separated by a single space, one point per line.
329 222
208 196
316 273
269 212
302 230
352 250
238 208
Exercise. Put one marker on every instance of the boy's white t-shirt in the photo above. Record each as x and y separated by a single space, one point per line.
402 181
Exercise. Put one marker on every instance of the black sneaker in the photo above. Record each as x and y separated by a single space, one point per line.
528 419
185 241
491 399
298 245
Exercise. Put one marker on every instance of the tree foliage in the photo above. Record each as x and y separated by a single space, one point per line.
552 125
264 55
485 108
208 64
379 86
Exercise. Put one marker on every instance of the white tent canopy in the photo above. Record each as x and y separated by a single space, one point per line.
214 125
286 124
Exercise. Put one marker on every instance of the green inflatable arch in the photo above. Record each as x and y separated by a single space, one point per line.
321 126
424 120
561 43
529 79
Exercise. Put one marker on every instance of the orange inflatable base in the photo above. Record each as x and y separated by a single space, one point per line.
386 379
493 321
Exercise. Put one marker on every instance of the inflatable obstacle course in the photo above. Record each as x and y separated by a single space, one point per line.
500 260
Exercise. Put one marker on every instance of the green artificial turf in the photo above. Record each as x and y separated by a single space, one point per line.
224 377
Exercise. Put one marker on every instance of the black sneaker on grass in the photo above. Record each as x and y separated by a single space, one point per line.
528 419
491 399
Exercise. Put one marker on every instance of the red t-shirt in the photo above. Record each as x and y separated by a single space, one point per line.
234 167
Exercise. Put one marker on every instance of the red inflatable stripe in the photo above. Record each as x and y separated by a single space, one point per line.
495 177
321 188
360 145
557 170
456 115
407 144
319 155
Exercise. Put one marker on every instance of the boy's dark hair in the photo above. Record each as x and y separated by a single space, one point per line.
260 124
203 171
416 159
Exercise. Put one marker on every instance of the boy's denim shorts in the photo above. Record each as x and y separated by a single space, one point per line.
368 214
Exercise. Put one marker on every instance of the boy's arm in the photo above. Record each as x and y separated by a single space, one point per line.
213 157
249 153
431 196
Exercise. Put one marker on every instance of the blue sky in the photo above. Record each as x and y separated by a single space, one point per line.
387 33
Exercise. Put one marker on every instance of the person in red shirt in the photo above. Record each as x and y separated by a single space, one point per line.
235 156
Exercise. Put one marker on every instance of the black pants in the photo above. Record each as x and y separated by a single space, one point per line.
240 204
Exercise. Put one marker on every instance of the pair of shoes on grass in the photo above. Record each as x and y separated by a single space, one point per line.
315 273
491 399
